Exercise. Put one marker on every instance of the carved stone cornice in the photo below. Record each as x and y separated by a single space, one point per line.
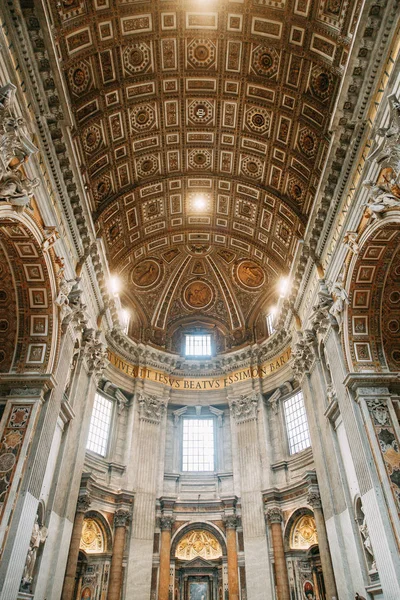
151 408
274 515
245 408
83 503
121 518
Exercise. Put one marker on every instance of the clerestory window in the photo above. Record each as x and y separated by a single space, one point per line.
100 423
296 423
198 345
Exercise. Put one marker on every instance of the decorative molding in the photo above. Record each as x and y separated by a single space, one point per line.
231 521
245 408
314 499
166 522
151 408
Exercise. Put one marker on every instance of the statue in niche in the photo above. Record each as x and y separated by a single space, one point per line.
38 537
340 299
363 527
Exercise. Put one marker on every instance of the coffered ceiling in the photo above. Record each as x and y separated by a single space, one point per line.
227 99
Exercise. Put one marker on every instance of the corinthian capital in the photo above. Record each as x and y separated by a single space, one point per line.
121 518
166 522
231 521
314 498
83 502
245 408
273 515
151 408
303 353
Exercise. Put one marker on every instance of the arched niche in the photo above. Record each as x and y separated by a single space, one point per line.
96 534
301 524
198 527
372 327
28 320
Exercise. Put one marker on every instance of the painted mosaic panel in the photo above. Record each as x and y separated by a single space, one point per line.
10 448
388 443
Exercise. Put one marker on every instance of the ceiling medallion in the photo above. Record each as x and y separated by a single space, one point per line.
198 294
250 274
146 273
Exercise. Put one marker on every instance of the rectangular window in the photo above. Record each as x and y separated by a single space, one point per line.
270 324
198 445
100 422
296 423
198 345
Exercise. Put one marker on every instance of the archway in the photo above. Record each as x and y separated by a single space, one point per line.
92 574
198 555
302 553
372 328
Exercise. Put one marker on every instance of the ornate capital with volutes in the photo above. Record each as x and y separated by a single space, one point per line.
245 408
231 521
121 518
166 522
83 503
151 408
273 515
314 499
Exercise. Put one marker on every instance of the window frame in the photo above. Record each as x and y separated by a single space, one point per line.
198 356
285 400
101 394
215 444
269 318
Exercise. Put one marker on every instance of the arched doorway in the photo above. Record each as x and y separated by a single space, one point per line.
198 556
93 567
303 559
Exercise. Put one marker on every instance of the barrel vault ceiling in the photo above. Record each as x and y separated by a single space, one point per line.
227 99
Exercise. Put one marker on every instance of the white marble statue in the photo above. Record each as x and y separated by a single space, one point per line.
38 537
340 299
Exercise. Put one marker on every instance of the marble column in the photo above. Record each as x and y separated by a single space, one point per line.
314 499
274 518
233 579
70 573
121 520
165 557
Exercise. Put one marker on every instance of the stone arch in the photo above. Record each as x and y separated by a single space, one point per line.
291 523
205 525
103 525
28 319
371 336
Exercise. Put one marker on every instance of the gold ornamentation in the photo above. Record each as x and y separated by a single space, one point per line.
92 539
304 533
250 274
198 543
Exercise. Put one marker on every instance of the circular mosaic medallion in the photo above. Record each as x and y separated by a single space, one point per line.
198 294
250 274
7 461
146 273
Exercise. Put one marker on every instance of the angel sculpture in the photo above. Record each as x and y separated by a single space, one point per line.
380 198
